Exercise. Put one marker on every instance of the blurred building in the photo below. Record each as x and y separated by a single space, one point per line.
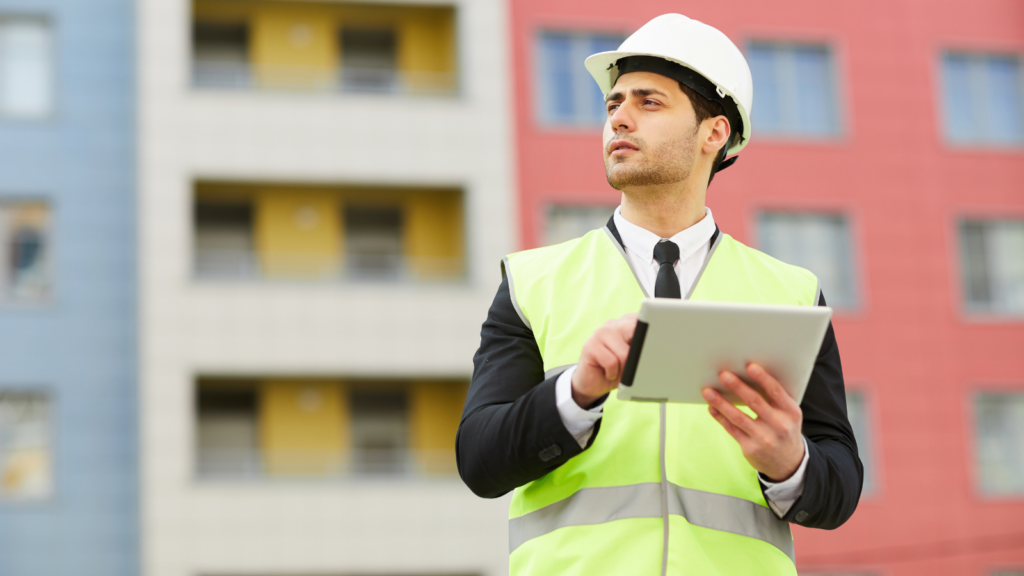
68 489
326 191
887 156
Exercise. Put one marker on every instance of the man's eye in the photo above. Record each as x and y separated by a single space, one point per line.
646 102
612 107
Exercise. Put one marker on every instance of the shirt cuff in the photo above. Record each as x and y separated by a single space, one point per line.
579 422
782 495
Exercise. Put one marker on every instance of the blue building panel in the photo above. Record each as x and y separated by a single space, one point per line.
76 345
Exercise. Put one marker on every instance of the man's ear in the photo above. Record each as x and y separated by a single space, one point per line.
719 135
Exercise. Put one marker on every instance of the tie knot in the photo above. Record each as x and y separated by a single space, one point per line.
666 252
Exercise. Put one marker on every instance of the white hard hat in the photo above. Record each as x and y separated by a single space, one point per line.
695 46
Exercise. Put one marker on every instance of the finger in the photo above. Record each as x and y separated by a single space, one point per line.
607 360
772 388
626 327
732 413
753 400
738 435
614 342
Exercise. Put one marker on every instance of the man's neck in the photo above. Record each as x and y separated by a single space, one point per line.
664 210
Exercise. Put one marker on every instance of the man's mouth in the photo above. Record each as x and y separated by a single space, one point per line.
621 147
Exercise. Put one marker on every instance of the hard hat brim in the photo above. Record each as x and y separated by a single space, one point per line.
602 67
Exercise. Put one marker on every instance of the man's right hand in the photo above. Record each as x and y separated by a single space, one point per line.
604 355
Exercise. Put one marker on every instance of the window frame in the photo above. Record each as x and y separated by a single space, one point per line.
971 394
50 245
871 410
546 207
975 53
51 23
841 113
52 430
852 216
957 266
538 77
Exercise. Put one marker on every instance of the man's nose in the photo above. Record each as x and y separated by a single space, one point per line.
621 119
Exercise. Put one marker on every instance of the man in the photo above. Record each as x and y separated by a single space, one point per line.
604 486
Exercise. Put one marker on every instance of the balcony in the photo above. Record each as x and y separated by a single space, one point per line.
247 232
324 47
301 428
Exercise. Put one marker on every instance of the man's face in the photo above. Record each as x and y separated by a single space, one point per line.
650 137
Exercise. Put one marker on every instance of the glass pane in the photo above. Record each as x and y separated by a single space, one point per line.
999 420
1005 99
1006 250
975 264
819 243
961 120
26 77
857 410
369 59
220 55
767 114
380 431
223 241
568 222
25 445
373 241
226 438
26 267
558 96
815 98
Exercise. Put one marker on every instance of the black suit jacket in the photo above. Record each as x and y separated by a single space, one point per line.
511 432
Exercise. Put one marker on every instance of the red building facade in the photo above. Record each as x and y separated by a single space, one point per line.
912 177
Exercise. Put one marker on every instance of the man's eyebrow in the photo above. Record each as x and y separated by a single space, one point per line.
637 92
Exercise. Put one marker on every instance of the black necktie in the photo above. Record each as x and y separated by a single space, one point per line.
666 253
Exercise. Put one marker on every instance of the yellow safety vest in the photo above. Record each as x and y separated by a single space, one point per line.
663 489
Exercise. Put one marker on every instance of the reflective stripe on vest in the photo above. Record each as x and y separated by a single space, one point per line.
651 465
605 504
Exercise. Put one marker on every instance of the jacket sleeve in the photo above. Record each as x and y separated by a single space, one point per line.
510 432
834 474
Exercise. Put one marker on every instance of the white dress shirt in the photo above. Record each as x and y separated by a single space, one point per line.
694 245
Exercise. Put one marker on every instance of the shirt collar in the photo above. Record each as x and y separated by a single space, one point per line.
641 242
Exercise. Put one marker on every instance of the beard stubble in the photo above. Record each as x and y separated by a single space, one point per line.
666 164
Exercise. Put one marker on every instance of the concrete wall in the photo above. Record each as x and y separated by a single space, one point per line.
328 330
79 345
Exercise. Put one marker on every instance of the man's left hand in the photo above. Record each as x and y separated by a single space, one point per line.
772 442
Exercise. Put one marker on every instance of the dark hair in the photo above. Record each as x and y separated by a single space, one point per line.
704 109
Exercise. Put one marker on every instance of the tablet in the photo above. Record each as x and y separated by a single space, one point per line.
680 346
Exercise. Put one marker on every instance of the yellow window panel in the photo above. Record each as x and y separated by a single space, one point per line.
303 427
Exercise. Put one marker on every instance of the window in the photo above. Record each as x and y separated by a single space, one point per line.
226 438
380 431
857 410
373 242
223 241
369 60
568 94
568 222
25 446
984 99
24 261
26 68
999 425
220 53
818 242
992 266
795 88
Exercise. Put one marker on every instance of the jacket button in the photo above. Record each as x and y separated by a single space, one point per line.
550 453
801 516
